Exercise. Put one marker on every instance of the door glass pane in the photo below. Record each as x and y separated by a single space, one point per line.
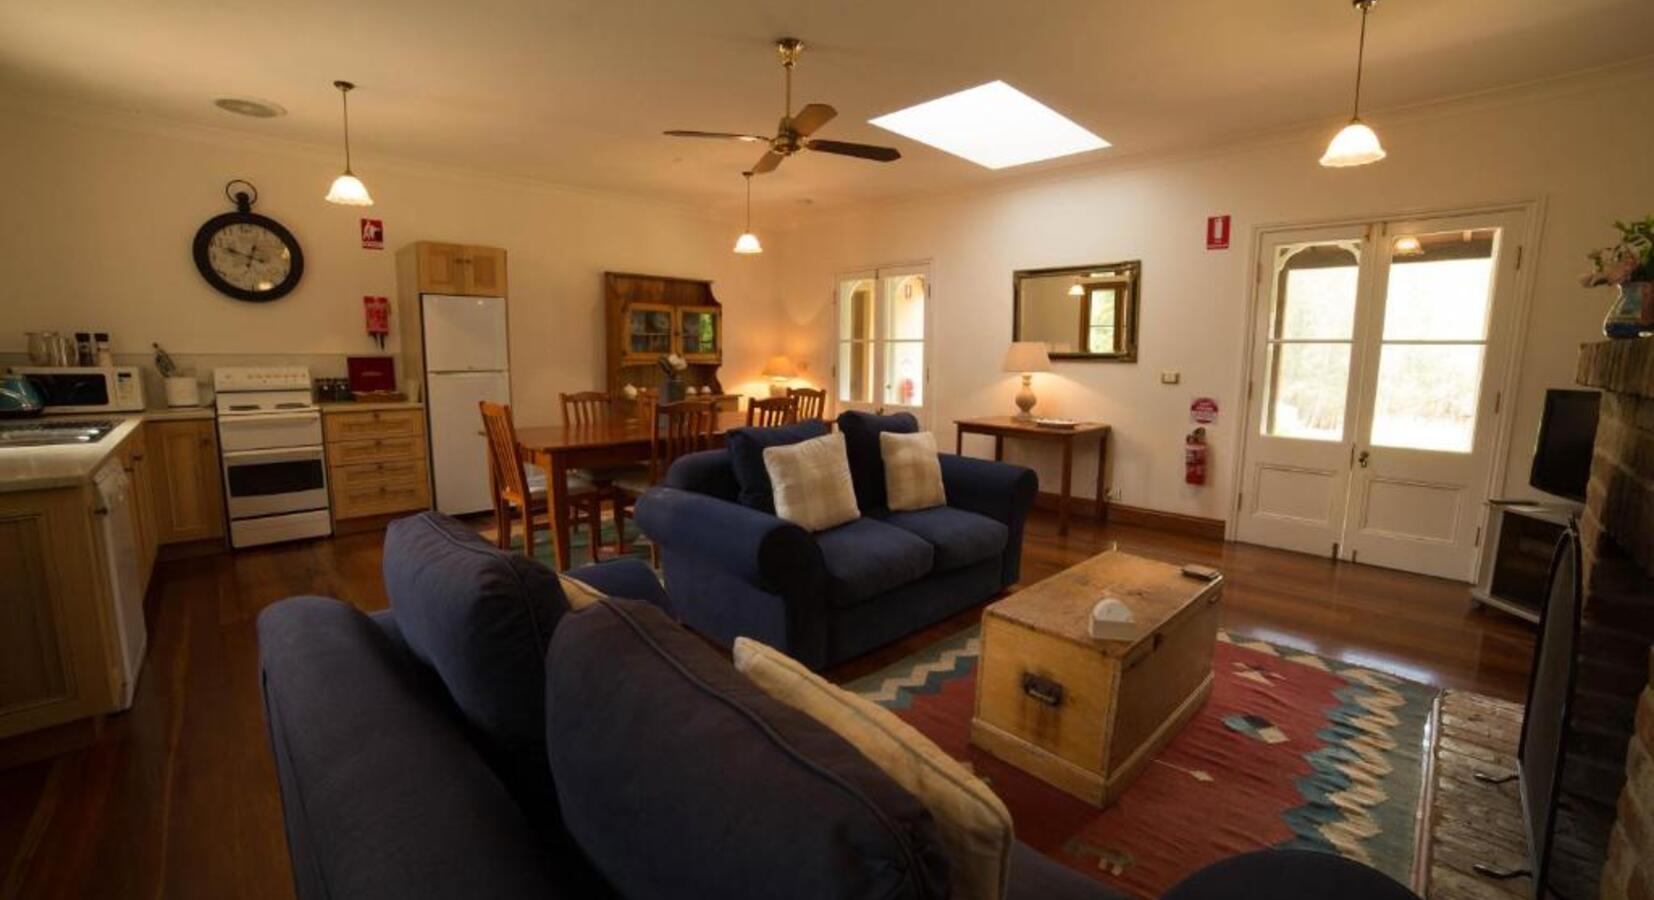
904 297
1100 324
1427 396
1310 387
1441 286
855 309
649 330
1312 321
855 331
855 371
904 366
700 332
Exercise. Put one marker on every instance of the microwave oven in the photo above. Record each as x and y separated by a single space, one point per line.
87 388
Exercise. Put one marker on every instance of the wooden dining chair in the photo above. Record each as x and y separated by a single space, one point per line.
584 408
771 412
516 492
675 429
812 403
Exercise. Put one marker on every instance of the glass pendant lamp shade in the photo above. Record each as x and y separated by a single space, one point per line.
747 243
1355 145
347 189
1075 290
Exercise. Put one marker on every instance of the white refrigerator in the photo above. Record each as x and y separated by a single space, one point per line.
466 361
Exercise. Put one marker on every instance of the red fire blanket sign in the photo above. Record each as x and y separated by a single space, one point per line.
1217 232
373 234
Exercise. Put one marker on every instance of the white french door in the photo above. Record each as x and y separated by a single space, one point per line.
1372 411
883 322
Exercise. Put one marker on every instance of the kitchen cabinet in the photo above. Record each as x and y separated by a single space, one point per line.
650 316
460 269
377 463
135 458
186 487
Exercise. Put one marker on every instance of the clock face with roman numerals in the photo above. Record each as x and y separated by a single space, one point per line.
248 256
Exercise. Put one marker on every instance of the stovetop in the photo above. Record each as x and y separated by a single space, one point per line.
54 432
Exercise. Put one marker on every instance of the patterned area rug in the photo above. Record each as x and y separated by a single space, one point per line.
637 545
1291 750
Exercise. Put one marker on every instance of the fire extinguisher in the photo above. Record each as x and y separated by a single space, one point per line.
1194 457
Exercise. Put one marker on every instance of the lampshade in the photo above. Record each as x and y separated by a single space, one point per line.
1076 290
1026 356
348 190
748 243
1356 145
780 367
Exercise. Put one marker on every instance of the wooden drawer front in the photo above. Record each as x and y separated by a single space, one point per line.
341 453
377 488
1076 727
355 426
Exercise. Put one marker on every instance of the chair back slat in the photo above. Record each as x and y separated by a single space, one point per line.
504 457
585 408
677 429
812 403
772 412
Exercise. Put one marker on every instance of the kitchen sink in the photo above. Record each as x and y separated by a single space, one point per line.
51 432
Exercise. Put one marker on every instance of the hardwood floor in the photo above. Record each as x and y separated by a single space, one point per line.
178 798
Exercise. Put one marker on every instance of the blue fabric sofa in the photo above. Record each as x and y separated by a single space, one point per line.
733 568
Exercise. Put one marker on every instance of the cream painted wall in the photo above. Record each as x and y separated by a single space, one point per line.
99 210
1581 147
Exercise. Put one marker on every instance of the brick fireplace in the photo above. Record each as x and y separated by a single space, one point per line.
1610 774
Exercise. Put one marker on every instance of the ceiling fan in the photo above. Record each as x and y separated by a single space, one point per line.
792 134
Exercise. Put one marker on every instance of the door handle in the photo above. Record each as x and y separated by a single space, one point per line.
1362 459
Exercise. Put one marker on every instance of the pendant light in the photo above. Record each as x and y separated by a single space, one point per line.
1075 290
347 189
1356 145
748 242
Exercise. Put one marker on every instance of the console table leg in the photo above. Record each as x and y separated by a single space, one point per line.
1102 489
1067 478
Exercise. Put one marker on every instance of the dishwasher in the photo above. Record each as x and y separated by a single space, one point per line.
120 547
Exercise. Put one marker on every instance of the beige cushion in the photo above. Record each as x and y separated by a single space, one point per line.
580 594
974 825
812 482
912 473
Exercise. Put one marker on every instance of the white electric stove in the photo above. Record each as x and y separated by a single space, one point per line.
275 471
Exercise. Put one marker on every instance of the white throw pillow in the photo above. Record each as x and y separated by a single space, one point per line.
912 473
972 822
812 483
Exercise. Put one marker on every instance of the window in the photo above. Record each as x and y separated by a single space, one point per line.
1311 329
881 338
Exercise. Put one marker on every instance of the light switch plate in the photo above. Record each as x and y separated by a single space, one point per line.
1170 376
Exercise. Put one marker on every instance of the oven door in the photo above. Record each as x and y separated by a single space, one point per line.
272 482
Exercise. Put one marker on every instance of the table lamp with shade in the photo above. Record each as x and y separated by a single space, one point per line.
779 370
1026 358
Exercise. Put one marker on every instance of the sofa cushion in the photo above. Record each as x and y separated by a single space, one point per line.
961 538
866 557
481 617
861 438
912 470
746 456
680 778
972 822
812 483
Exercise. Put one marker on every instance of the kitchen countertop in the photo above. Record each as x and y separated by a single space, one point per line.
66 465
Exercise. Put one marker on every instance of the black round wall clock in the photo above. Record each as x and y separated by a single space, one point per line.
245 255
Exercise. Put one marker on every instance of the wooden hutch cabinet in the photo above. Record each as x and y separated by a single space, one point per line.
651 316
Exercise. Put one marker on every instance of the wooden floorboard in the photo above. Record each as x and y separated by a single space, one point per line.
178 799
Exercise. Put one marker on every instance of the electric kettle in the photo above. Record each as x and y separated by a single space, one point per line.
19 397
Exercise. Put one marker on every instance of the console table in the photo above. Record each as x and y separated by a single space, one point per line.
1002 427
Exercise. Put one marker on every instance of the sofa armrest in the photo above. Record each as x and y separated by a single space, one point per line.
763 550
382 794
631 579
1001 491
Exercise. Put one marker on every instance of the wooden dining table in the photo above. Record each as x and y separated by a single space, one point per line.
601 445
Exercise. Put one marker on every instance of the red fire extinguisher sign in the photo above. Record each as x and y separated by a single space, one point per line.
1194 457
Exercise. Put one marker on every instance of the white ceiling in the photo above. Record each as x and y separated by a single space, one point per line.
576 91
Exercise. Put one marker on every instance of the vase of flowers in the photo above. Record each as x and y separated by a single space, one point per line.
1629 267
674 366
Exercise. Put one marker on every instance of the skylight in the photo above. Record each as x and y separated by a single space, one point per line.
993 125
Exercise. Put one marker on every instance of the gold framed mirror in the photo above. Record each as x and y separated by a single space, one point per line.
1080 312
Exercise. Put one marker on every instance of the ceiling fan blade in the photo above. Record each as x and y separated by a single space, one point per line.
718 135
767 163
860 151
813 117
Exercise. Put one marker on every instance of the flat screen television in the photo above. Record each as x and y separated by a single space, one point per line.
1562 455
